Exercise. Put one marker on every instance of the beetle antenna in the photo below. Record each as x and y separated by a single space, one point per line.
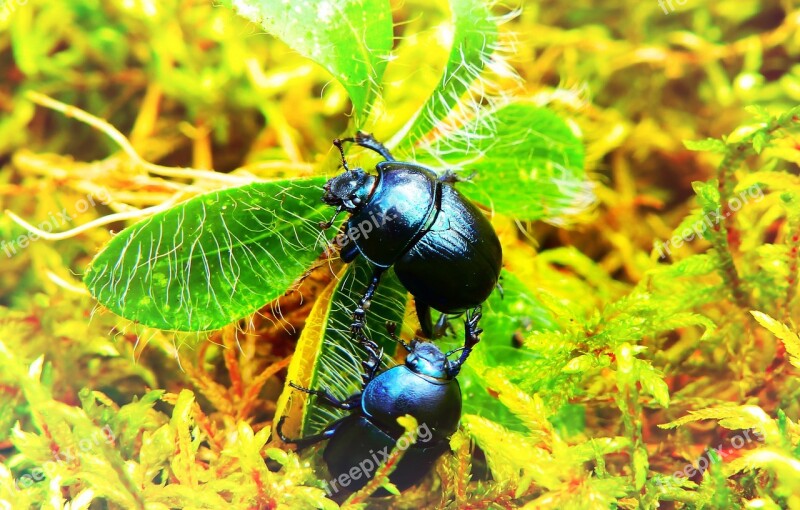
453 351
454 367
338 143
391 327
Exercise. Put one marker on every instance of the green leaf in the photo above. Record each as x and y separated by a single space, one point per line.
511 456
515 311
694 265
514 314
391 488
351 39
528 163
743 132
696 225
708 196
474 38
754 183
789 116
641 464
338 365
758 112
707 145
652 382
760 141
326 358
684 319
212 259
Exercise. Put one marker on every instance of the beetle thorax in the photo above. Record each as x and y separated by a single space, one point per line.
349 190
427 359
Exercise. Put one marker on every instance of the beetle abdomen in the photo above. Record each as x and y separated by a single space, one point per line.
435 403
358 448
455 265
401 206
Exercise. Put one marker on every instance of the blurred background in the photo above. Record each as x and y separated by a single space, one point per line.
191 84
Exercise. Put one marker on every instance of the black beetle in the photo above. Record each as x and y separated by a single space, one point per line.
443 249
424 387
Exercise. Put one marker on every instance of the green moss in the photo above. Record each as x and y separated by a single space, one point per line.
645 352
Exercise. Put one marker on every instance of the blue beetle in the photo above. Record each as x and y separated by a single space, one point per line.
425 387
443 249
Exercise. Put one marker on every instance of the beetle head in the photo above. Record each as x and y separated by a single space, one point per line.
427 359
349 190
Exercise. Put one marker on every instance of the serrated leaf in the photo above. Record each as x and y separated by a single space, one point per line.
695 265
789 338
351 39
528 163
528 408
640 466
759 141
212 259
586 493
707 195
511 455
694 226
734 418
474 37
652 382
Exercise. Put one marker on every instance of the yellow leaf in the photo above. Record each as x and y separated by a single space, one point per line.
786 335
301 369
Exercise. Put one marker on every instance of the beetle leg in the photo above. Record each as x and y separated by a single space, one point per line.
302 442
471 337
349 404
325 225
338 144
368 141
442 327
391 328
424 318
430 330
372 363
357 327
348 250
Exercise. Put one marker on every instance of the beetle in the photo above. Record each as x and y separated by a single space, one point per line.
424 387
443 249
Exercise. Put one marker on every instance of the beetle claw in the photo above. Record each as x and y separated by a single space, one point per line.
471 330
451 177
